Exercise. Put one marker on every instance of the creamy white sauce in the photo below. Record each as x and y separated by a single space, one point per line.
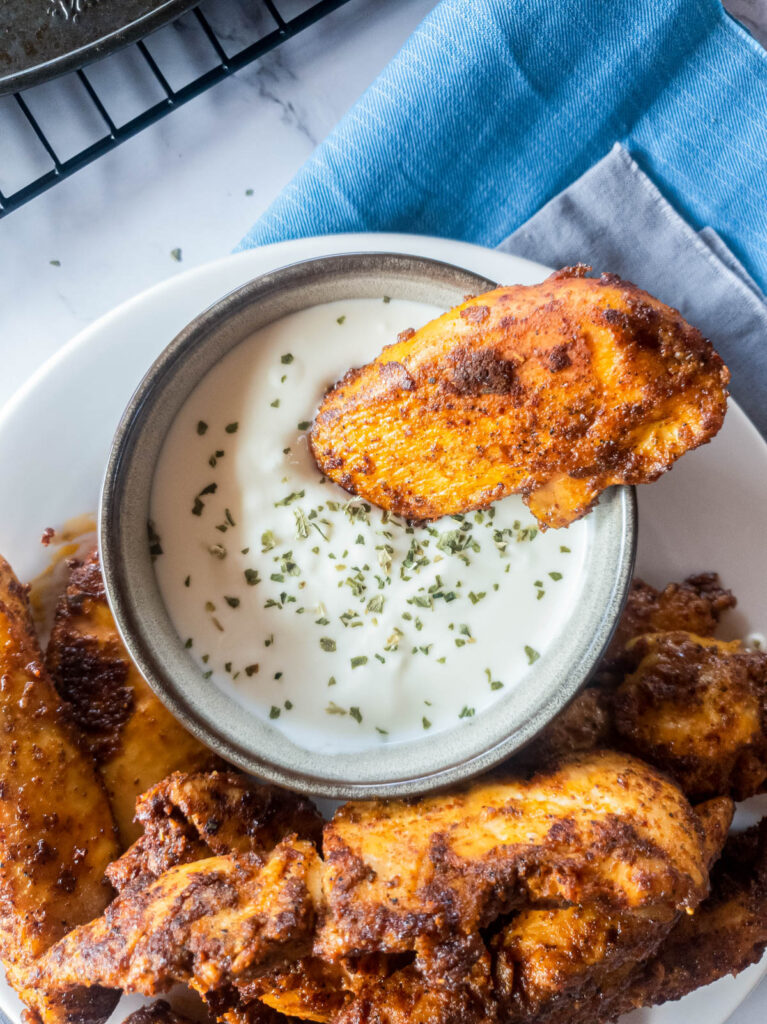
358 630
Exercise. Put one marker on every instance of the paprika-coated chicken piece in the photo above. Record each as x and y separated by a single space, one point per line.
555 391
544 958
426 875
697 708
548 959
726 934
56 830
189 817
207 923
400 877
132 736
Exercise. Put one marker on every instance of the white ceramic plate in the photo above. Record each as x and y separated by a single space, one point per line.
56 433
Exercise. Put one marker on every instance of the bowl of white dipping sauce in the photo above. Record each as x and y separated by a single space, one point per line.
306 635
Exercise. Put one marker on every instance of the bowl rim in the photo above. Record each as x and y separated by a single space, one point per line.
132 589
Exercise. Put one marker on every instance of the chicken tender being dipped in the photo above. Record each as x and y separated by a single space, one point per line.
555 391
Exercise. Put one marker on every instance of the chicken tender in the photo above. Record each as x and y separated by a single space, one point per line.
56 829
547 960
191 817
555 391
132 736
208 923
726 934
697 708
428 874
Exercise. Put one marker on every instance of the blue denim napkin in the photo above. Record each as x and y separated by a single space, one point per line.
492 107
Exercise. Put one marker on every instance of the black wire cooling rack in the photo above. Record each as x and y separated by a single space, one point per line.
42 154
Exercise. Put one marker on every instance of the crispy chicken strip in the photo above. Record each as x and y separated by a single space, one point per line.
207 923
696 605
543 959
426 875
56 830
549 959
726 934
134 739
696 708
555 391
543 963
191 817
399 877
403 998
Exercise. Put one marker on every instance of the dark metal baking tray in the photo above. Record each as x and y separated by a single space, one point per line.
40 39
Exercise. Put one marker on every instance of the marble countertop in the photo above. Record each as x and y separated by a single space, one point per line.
184 191
193 182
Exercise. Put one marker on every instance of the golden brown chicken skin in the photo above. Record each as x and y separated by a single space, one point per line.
400 878
697 708
426 875
555 391
211 922
56 830
726 934
548 960
133 738
189 817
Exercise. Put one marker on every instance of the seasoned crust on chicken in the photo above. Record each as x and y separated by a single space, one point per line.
420 877
56 830
403 998
555 391
207 923
191 817
696 605
134 739
697 708
548 960
426 875
726 934
691 705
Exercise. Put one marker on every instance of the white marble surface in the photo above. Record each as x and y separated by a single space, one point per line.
184 184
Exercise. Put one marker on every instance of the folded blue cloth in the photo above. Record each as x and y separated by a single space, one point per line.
492 107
